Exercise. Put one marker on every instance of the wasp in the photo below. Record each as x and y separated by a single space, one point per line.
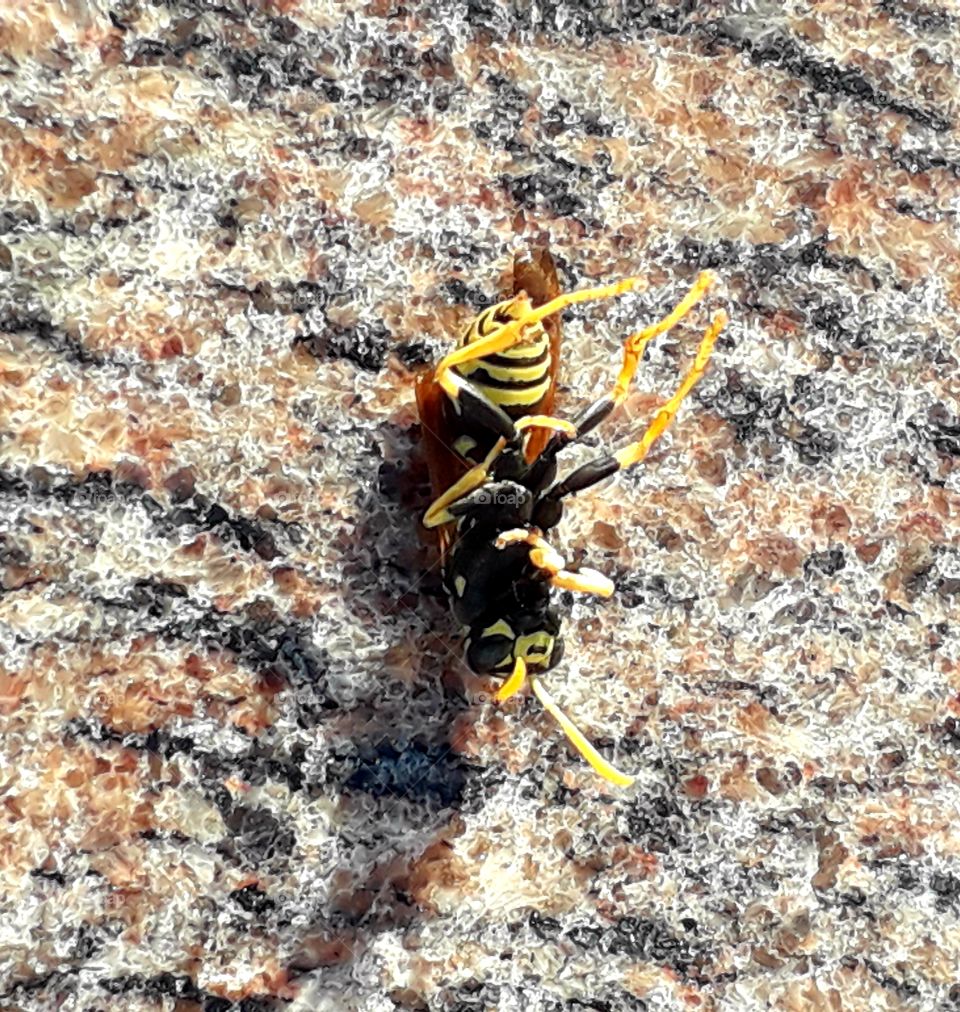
492 445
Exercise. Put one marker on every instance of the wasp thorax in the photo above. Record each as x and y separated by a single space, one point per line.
503 502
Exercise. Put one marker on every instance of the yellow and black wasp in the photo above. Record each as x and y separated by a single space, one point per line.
492 445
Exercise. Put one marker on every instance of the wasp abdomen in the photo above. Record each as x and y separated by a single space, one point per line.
518 378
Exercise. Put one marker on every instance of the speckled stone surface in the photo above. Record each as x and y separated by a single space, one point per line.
243 766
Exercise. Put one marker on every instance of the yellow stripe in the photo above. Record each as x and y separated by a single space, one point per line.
522 373
533 341
485 318
515 398
534 645
464 445
499 628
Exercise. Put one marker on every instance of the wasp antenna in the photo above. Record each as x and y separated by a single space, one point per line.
514 683
578 739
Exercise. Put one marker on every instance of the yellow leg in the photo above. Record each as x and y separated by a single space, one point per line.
544 556
518 536
502 338
578 739
636 344
635 452
546 422
597 294
437 513
514 683
583 581
511 333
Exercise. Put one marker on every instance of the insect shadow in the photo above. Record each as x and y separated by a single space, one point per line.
400 785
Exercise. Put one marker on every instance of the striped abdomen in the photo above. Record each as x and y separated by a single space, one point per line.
516 379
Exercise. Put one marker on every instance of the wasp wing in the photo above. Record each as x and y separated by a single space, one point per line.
445 464
534 272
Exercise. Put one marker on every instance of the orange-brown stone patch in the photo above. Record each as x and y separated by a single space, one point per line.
94 795
40 164
140 689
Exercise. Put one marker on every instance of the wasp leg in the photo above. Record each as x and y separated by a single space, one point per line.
635 452
514 683
584 581
563 429
478 410
633 350
438 513
547 422
544 556
475 407
598 294
596 470
578 739
636 344
526 316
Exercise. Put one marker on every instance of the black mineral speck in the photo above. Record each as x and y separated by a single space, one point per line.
586 936
365 344
947 888
829 563
414 353
86 944
213 1003
822 75
258 834
257 1005
757 414
161 985
641 938
655 823
460 292
252 899
943 429
473 996
216 515
553 191
547 928
480 786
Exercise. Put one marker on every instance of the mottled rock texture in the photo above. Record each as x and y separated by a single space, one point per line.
243 766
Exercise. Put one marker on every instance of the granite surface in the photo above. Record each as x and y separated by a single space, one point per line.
242 764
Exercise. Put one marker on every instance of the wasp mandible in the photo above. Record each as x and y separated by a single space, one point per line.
492 446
